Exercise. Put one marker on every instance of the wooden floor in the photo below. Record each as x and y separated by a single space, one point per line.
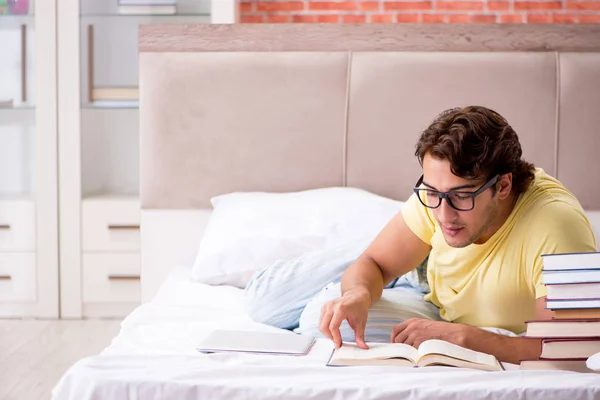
35 353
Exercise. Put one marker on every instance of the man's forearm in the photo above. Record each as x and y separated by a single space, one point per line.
365 275
505 348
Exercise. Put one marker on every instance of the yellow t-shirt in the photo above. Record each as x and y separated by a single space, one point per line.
495 284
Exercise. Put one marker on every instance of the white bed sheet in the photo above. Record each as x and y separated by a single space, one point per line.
154 357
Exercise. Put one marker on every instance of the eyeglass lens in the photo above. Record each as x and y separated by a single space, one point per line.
432 199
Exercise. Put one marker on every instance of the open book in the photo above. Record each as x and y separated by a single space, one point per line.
430 352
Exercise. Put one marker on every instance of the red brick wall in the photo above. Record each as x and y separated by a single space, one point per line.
422 11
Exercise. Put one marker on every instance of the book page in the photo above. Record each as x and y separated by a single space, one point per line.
381 351
435 346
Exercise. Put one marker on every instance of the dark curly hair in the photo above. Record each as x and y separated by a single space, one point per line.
478 143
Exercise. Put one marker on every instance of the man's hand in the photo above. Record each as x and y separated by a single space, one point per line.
353 306
416 330
507 349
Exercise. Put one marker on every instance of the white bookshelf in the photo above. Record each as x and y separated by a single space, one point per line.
28 158
99 152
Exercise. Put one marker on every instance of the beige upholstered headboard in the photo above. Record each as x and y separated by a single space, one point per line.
290 107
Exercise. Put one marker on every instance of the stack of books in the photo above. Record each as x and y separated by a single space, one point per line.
147 7
573 292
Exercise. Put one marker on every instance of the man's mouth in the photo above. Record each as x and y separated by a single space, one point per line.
451 231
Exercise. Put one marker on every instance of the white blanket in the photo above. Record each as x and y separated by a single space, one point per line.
154 357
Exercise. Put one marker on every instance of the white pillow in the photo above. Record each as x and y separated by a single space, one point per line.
250 231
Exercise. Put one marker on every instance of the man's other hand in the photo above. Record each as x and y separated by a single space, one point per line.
415 331
353 306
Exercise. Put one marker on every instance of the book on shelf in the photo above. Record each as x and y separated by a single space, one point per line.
589 290
563 328
570 261
115 93
7 103
165 9
558 365
115 104
147 2
430 353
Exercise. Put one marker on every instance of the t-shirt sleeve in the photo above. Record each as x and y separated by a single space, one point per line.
558 228
418 219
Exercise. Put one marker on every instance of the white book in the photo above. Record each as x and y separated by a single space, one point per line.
227 341
431 352
570 348
573 276
563 328
569 261
573 291
569 304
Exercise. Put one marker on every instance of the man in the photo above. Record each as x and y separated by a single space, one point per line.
484 216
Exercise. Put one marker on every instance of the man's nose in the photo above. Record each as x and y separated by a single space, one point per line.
446 213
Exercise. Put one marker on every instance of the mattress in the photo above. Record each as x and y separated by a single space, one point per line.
154 357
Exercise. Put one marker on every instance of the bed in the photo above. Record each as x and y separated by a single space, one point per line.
287 108
154 357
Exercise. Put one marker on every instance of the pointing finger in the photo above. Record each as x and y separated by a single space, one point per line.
359 333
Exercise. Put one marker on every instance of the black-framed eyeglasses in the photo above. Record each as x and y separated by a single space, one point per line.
459 200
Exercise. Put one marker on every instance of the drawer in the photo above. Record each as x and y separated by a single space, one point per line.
110 278
18 281
110 225
17 225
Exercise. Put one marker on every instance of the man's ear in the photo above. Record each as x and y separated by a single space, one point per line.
504 185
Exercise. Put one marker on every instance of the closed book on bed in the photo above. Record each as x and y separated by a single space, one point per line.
573 365
570 304
590 290
575 313
241 341
571 276
562 328
570 348
571 261
430 353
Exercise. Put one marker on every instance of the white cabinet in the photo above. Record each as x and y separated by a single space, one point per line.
28 160
17 225
69 209
111 283
98 147
110 245
17 277
110 224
